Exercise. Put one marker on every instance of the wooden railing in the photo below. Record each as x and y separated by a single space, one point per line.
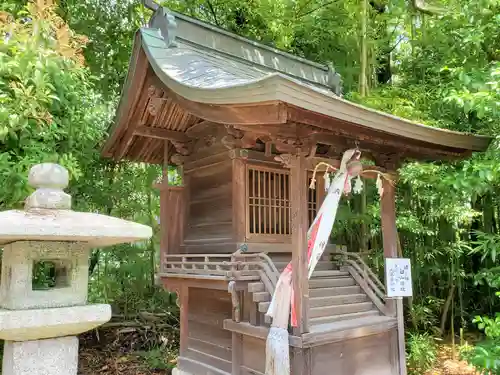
364 276
231 267
236 266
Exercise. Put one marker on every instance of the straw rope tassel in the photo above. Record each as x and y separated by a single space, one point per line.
277 348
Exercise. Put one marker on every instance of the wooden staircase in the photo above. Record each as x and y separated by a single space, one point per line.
334 295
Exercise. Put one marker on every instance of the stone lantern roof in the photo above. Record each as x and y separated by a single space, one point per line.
48 216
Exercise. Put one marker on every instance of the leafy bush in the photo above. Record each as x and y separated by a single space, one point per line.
421 353
156 359
49 111
485 356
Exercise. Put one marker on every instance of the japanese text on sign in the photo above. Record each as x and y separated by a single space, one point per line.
398 277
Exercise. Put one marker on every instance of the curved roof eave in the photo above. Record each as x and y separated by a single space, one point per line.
277 87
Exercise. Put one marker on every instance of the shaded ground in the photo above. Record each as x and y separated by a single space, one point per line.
129 348
446 365
94 361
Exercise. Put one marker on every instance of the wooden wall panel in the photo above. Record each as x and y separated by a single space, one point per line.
254 354
176 220
210 206
208 342
370 355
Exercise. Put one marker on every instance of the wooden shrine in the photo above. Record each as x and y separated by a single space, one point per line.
247 124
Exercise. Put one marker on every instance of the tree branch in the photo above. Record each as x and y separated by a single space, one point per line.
297 13
315 9
212 10
395 46
420 6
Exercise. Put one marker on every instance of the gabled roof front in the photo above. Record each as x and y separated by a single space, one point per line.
209 74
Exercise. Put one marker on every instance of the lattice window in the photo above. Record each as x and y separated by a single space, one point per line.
268 198
312 202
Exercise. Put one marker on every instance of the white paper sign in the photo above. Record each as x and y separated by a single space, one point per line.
398 277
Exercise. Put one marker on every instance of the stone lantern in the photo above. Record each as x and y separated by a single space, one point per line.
40 326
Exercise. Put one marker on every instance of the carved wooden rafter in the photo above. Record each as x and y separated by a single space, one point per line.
178 159
237 138
183 147
153 92
160 133
155 105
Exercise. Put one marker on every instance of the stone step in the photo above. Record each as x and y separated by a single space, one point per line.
351 308
330 273
261 297
338 318
332 282
256 287
337 300
335 291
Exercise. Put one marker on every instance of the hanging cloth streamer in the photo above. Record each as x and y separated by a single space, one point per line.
277 349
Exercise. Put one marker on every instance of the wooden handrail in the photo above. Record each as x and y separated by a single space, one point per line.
366 278
365 267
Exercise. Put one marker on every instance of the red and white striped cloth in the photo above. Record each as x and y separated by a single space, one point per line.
321 228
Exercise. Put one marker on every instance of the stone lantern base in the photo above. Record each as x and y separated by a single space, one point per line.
58 356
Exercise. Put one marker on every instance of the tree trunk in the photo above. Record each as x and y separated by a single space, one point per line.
363 81
446 308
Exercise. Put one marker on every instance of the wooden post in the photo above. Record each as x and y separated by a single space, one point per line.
390 237
299 226
237 353
164 197
401 336
183 296
239 195
389 230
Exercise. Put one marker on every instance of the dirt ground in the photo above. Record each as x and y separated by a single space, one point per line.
96 361
446 365
106 363
127 351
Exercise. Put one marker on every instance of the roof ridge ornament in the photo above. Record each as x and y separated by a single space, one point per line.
168 27
334 80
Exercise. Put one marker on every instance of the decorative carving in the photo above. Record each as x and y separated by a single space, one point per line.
284 159
154 92
183 148
231 288
246 141
209 140
243 154
230 142
178 159
238 153
155 105
178 299
151 91
236 133
312 151
168 28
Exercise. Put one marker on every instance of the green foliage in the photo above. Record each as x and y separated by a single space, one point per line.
485 356
421 353
49 110
58 94
156 359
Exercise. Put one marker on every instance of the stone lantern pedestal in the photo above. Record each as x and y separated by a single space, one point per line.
40 326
